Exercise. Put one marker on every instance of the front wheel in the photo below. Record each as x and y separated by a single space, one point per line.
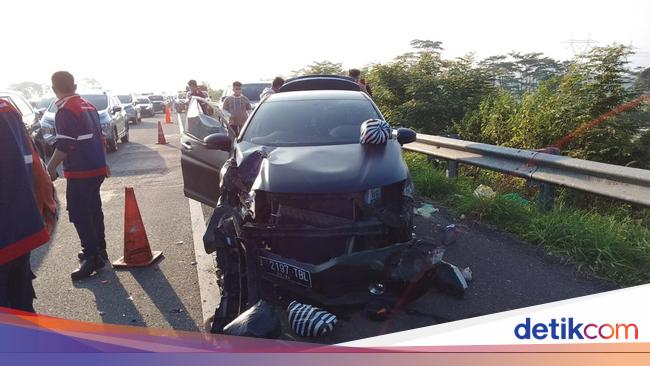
111 146
125 138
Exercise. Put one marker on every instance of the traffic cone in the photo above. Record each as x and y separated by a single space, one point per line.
168 114
137 252
161 135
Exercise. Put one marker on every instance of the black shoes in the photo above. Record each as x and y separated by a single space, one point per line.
102 254
87 266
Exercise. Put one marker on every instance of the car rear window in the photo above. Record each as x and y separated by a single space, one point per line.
143 101
157 98
98 100
309 122
253 91
125 98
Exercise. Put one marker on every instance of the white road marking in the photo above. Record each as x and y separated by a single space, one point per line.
208 287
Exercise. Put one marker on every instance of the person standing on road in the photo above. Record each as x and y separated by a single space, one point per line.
79 144
275 87
22 228
356 75
238 106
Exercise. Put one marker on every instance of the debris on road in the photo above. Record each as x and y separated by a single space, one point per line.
179 242
259 321
130 298
310 321
449 279
467 273
177 311
101 313
105 282
483 191
379 310
451 235
426 210
193 263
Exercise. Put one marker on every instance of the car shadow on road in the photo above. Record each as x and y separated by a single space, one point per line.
114 303
154 282
148 123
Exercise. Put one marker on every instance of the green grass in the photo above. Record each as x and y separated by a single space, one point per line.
613 245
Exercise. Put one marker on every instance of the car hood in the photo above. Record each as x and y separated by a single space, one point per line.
327 169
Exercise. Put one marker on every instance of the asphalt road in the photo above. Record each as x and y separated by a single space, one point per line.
165 294
508 273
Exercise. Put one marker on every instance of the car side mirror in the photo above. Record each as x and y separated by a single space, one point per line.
218 141
405 135
117 109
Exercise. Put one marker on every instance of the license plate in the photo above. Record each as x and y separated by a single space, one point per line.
286 271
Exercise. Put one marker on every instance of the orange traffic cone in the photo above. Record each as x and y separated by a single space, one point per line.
168 115
161 135
137 252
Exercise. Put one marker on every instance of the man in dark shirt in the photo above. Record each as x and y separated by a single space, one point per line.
79 144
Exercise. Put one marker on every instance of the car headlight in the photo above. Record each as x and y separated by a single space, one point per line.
372 196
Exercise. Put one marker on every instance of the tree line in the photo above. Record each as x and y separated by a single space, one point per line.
522 100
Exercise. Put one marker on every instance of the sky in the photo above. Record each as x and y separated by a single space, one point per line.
144 45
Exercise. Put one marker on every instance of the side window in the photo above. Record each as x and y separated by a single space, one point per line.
22 105
199 124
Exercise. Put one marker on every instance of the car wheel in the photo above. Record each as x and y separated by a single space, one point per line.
125 138
111 146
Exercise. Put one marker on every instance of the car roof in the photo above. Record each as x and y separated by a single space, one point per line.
319 82
317 95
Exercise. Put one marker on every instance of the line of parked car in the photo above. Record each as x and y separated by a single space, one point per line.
115 113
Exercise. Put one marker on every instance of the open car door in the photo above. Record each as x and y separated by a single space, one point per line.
201 158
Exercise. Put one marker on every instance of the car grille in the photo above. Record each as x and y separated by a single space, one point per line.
319 211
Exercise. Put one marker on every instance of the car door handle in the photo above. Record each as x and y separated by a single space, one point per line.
187 146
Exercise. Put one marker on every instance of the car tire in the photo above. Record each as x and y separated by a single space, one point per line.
125 138
111 145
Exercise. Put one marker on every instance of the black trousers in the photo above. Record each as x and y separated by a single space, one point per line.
16 290
85 212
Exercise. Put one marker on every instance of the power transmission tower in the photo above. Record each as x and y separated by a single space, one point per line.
580 46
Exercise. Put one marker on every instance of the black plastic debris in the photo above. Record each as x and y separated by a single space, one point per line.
259 321
379 310
310 321
449 279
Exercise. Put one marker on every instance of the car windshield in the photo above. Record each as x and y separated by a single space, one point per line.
253 91
309 122
98 100
142 101
156 98
125 98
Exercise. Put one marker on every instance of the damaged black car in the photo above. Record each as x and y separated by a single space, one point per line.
313 203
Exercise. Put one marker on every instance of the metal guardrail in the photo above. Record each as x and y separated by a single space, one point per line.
623 183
